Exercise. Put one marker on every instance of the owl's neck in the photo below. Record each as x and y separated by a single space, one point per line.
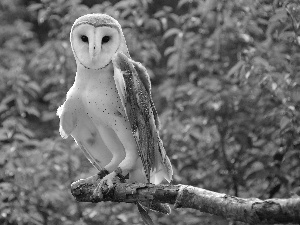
83 69
84 75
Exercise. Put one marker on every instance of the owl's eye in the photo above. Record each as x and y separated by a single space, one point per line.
84 38
105 39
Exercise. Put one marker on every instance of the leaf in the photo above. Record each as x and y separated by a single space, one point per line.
280 15
261 61
3 135
34 86
252 27
8 99
171 32
293 154
42 15
172 61
153 24
32 111
35 7
287 35
20 105
284 122
160 13
144 214
208 6
51 95
26 131
170 50
235 68
257 174
122 5
181 3
47 116
21 137
295 94
3 108
174 17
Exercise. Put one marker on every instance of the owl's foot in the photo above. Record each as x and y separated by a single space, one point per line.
108 181
122 178
102 173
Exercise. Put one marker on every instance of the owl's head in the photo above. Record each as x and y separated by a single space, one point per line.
95 38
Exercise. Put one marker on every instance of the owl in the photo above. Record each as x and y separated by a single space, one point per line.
109 110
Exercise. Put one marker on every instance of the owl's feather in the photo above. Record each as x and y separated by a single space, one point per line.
145 79
142 117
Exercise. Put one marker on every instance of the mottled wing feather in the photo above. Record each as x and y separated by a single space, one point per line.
145 79
123 70
143 75
141 114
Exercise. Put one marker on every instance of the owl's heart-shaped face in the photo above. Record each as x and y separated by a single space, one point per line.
94 46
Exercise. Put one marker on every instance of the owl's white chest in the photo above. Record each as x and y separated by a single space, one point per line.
100 98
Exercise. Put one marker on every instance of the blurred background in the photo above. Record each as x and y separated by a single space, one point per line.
226 84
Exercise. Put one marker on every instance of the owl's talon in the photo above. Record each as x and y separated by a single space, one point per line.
119 174
99 189
105 184
109 180
102 173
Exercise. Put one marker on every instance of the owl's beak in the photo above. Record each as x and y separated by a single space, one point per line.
92 52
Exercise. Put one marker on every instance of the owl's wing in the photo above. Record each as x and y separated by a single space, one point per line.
145 79
142 116
67 121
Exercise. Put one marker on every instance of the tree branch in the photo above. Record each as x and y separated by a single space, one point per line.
250 210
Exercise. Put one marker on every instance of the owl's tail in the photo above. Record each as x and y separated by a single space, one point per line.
163 167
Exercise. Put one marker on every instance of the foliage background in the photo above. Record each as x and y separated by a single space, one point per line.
226 84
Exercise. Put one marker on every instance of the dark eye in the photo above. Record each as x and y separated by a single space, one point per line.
84 38
105 39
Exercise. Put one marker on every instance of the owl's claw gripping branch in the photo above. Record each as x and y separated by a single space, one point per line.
105 184
122 178
102 173
108 180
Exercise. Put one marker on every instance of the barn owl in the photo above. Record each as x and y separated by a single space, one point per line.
109 110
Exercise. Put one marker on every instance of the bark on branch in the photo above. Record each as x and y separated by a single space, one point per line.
252 210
